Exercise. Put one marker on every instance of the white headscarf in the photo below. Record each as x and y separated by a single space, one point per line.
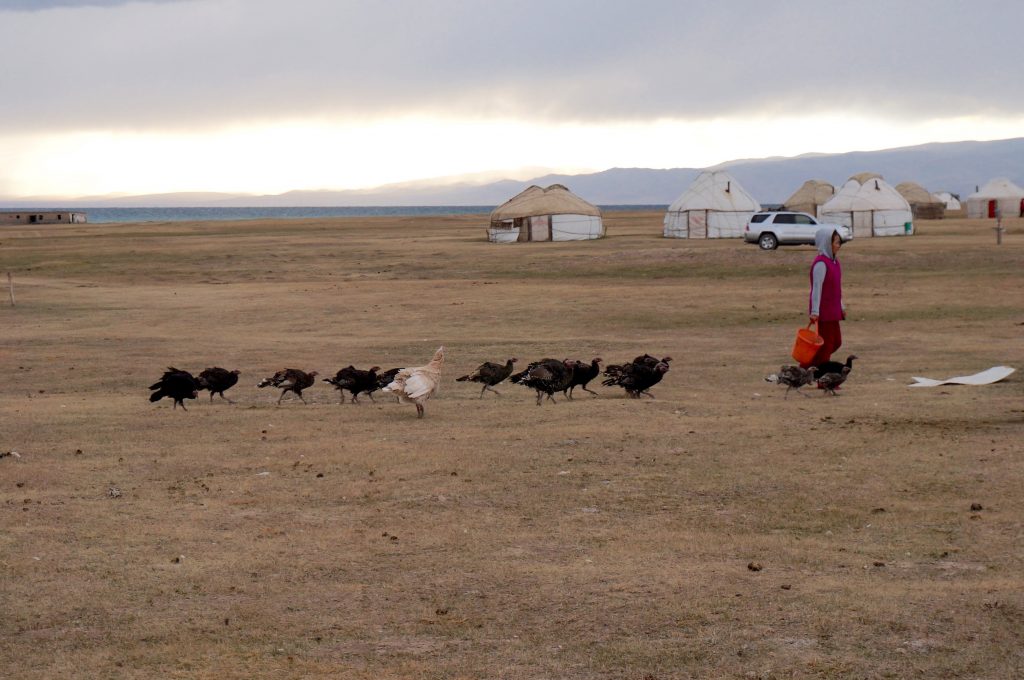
823 240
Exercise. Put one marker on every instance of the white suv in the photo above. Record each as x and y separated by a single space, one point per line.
769 230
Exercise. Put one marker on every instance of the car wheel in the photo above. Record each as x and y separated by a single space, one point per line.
768 242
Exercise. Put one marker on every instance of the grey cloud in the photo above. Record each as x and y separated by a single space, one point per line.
209 62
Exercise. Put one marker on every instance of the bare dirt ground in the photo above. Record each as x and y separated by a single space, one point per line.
599 538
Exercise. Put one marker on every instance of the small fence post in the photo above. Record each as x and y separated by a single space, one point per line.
10 287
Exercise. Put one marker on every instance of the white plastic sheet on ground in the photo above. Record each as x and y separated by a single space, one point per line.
992 375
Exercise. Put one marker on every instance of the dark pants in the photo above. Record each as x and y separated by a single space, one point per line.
832 334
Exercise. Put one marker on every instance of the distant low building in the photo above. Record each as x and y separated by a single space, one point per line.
26 217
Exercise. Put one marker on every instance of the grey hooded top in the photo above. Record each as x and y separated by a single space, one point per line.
823 241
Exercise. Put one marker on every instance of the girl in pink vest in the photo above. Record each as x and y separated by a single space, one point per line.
826 300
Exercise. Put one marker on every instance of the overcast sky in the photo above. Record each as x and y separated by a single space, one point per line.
105 96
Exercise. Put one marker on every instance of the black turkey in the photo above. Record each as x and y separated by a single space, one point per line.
217 380
289 380
614 370
834 366
651 361
489 374
353 380
178 385
546 376
638 376
830 382
582 374
384 379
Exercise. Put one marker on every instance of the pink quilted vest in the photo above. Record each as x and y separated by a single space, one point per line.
831 307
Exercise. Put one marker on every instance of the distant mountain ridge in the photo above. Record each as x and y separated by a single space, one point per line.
957 167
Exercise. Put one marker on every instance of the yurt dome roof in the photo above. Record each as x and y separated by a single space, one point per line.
534 201
874 193
715 190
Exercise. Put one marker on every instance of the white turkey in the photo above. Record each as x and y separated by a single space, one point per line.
416 385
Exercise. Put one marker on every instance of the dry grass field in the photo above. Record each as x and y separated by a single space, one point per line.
599 538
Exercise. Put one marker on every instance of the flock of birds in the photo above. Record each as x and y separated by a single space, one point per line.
417 384
828 376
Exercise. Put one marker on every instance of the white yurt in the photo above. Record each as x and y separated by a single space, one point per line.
551 214
870 206
1000 195
951 201
810 197
714 206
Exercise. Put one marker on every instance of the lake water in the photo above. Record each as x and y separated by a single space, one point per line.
107 215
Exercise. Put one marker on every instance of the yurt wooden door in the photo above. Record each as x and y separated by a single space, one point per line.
863 223
540 228
697 223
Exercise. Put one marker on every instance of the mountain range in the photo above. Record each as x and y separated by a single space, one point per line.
957 167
